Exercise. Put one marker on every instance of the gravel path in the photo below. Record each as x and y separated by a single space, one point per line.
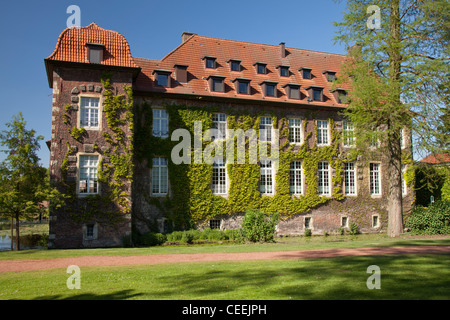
27 265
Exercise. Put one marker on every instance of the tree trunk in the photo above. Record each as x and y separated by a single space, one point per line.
395 210
17 233
12 233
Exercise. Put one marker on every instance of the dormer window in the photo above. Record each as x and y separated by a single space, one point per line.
261 68
210 62
181 73
340 95
292 90
162 77
269 88
315 93
235 65
242 85
95 52
306 73
330 75
284 71
216 83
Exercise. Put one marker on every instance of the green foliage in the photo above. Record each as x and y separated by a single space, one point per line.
354 229
152 239
432 220
259 227
308 232
77 133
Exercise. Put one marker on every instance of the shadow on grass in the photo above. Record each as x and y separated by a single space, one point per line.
119 295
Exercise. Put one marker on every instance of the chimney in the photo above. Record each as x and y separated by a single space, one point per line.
282 50
185 36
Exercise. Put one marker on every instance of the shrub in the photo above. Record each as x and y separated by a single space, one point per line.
187 236
341 231
354 229
257 226
152 239
432 220
308 232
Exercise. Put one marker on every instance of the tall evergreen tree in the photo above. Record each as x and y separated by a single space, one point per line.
397 66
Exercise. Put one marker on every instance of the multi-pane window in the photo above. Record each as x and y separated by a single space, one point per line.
308 223
349 137
235 65
323 178
266 179
243 87
404 190
284 71
89 111
210 62
219 122
160 176
261 68
306 73
219 178
162 79
317 94
160 123
265 129
270 90
322 132
88 175
375 179
295 178
214 224
295 130
349 178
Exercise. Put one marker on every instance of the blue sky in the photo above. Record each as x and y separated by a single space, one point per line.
29 31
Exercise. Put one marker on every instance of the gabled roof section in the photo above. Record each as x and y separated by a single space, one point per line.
439 158
191 52
71 46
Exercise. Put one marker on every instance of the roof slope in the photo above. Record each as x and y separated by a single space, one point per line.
437 158
193 50
71 46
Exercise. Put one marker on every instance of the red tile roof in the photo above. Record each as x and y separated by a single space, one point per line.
71 46
437 158
193 50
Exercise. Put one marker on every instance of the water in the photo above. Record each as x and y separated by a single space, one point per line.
5 243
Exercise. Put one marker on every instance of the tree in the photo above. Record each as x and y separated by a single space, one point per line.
24 184
397 70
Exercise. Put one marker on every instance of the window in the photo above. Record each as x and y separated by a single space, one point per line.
375 179
89 113
349 138
323 178
349 178
160 176
265 129
342 96
308 223
317 94
306 73
330 75
292 90
210 62
219 122
216 83
295 178
242 85
295 130
322 132
88 175
235 65
404 189
181 73
261 68
95 52
375 222
214 224
90 231
270 90
344 222
284 71
266 180
160 123
162 79
219 180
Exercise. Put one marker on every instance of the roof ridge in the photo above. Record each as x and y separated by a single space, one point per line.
179 46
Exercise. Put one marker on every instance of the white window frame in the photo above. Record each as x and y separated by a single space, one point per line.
266 185
347 127
296 178
295 130
160 116
350 179
88 174
265 129
378 221
219 175
375 179
219 122
323 133
323 178
89 110
344 225
160 182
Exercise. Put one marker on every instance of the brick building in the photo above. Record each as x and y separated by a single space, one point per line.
114 161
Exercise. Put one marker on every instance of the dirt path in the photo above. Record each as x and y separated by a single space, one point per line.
27 265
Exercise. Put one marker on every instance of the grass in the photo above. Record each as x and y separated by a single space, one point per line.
402 277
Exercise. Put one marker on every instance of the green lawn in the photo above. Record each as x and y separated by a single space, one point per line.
402 277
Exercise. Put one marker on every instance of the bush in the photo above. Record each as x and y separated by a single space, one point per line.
308 232
187 236
152 239
257 226
432 220
354 229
